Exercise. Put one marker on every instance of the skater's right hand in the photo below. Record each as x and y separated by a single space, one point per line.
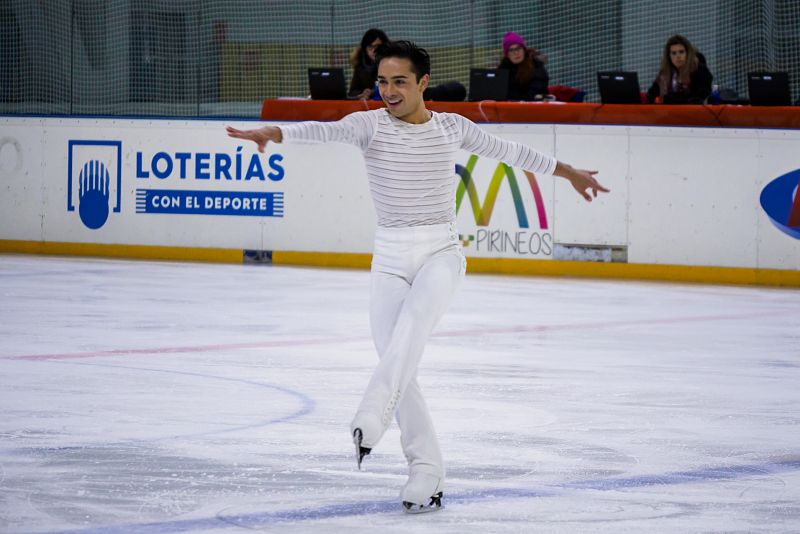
260 136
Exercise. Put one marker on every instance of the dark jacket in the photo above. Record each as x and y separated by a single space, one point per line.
537 85
697 92
364 77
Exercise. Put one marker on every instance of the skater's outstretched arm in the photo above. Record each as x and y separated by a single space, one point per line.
260 136
355 129
478 141
582 180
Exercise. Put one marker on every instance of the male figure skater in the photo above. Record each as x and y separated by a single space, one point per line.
417 261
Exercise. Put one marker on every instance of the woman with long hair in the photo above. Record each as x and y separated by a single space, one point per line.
528 79
365 71
683 77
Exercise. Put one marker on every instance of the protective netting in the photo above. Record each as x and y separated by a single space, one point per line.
206 58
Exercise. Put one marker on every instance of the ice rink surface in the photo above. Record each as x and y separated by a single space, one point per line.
177 397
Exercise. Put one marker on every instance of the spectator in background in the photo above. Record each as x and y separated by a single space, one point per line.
528 79
365 71
684 77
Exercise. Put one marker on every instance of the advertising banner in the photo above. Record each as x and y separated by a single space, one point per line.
680 196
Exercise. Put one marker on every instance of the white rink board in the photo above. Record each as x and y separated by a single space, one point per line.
694 199
325 194
604 149
21 178
680 196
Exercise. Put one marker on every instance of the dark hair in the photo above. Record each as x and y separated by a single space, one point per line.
685 72
359 55
527 68
371 35
420 60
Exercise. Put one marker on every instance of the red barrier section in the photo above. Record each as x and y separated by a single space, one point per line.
555 113
760 117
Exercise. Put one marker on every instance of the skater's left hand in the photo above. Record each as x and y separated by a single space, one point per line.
582 180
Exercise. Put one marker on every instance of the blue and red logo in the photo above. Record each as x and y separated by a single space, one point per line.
781 201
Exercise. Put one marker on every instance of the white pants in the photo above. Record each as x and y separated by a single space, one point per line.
415 273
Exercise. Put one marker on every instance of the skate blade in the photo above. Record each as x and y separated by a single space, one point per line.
434 505
360 451
414 509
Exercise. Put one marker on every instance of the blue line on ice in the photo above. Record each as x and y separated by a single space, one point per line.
307 404
257 520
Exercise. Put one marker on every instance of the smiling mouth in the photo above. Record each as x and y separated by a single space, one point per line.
392 102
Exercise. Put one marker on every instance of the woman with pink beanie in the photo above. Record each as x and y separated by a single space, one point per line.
528 79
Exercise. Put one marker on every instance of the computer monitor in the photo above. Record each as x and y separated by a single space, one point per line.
619 87
327 84
769 89
488 84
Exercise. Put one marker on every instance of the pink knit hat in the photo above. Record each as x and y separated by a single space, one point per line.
510 39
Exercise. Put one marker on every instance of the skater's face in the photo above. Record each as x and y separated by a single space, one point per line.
401 91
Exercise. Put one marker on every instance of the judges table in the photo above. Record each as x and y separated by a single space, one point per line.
556 112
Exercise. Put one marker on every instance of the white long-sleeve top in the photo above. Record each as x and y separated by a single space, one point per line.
411 167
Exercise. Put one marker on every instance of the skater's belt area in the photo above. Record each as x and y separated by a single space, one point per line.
555 113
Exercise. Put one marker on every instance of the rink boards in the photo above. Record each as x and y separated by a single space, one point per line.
686 203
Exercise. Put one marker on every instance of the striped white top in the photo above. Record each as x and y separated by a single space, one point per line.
411 167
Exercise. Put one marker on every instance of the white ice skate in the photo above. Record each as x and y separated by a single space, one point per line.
422 493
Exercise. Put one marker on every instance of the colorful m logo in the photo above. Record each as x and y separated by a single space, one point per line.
483 213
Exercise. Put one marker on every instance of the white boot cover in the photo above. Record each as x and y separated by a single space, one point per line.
420 488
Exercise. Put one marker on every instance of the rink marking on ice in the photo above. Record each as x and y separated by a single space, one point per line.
307 404
262 519
188 349
514 329
442 333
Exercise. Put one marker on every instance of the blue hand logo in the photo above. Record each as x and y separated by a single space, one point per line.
93 194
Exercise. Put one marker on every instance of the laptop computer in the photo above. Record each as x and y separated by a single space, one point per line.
619 87
488 84
326 84
769 89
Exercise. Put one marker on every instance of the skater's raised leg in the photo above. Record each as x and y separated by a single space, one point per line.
424 303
